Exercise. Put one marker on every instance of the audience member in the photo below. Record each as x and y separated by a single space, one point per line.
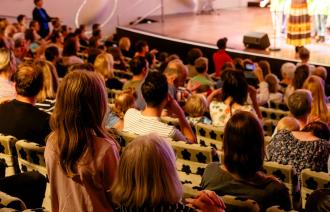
148 181
125 47
70 50
202 78
141 48
265 67
240 174
46 97
123 101
274 88
233 98
139 68
287 73
81 159
288 123
318 129
155 93
196 106
304 55
318 201
220 57
323 73
192 55
20 117
300 106
319 103
7 69
104 65
119 59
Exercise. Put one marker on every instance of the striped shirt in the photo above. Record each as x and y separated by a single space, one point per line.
47 105
137 123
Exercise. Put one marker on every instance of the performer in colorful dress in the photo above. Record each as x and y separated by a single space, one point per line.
320 10
299 24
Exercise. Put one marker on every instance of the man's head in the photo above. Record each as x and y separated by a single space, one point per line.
142 47
304 54
28 80
38 3
321 72
300 103
155 89
52 53
139 66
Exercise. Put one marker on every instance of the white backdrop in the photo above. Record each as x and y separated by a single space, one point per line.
99 10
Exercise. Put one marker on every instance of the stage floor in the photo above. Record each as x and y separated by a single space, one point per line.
232 23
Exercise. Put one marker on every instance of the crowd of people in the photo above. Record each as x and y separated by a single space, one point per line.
54 87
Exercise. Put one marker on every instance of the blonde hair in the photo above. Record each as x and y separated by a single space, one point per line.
147 174
123 101
104 65
78 117
124 43
288 123
50 83
196 105
319 107
7 61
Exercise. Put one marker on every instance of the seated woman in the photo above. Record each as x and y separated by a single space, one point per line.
147 180
233 98
81 158
240 174
301 149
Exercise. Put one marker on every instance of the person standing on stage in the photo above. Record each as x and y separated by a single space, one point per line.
299 24
205 7
39 14
320 9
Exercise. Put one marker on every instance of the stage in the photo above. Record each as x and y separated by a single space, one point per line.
232 23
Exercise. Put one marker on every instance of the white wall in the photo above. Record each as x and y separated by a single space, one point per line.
99 10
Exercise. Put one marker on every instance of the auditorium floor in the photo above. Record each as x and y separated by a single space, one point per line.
232 23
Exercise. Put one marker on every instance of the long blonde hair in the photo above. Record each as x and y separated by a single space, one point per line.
319 107
104 65
50 83
146 175
79 114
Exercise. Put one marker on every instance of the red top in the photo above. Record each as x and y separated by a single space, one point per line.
220 57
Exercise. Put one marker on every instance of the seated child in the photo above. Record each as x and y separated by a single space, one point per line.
123 101
196 106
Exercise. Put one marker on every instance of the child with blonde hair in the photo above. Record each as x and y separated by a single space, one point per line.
196 106
123 101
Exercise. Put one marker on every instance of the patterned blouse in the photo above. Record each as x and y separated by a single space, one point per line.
165 208
284 148
220 112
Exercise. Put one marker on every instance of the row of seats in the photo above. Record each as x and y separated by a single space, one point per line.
192 160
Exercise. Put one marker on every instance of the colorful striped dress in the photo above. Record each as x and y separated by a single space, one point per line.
299 24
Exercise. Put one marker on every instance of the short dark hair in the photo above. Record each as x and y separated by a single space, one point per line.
36 1
300 75
304 53
137 64
150 58
300 103
154 89
140 45
70 45
318 201
222 43
96 33
20 18
28 80
92 54
51 53
95 26
235 86
243 145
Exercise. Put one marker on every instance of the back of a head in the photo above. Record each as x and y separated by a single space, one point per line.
51 53
50 80
140 45
137 65
179 70
321 72
123 101
235 86
300 75
318 201
92 54
20 18
147 174
287 70
70 47
319 129
193 54
81 106
273 83
103 65
154 89
300 103
81 67
201 64
6 60
124 43
196 105
304 54
265 67
222 43
243 145
28 80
